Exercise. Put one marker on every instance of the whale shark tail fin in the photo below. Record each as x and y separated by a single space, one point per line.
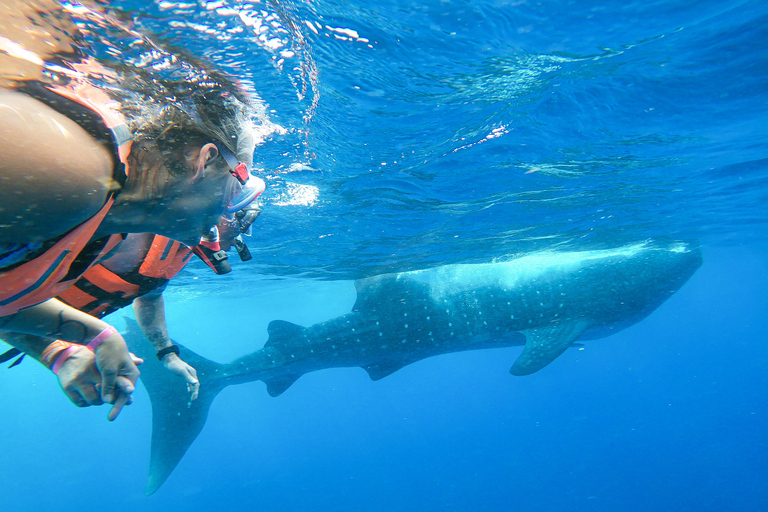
544 344
283 336
176 422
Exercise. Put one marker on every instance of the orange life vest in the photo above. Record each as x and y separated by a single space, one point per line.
47 272
100 291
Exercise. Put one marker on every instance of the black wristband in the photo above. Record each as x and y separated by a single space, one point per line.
167 350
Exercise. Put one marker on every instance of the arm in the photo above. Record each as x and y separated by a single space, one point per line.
54 319
47 188
150 314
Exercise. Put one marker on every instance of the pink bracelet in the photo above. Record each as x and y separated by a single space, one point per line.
63 356
101 338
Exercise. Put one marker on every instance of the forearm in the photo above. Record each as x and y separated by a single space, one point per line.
50 319
31 345
150 315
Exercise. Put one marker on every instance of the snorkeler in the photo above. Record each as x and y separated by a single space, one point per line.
136 272
125 151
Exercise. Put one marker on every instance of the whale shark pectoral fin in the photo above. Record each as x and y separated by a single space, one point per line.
544 344
9 354
377 371
276 386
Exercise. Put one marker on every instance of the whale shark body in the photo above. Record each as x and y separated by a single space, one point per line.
543 301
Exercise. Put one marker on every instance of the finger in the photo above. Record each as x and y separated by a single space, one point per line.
91 395
136 360
108 377
75 398
122 399
195 389
125 385
193 384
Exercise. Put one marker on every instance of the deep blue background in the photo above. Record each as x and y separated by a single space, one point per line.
667 415
610 121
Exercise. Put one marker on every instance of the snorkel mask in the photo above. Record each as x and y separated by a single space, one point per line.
236 168
239 210
240 197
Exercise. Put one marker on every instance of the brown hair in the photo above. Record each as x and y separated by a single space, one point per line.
176 116
169 111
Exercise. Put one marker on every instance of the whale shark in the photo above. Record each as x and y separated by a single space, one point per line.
543 301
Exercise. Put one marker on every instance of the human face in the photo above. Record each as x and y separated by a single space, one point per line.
199 201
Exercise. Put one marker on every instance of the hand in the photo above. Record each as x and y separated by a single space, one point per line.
183 370
81 381
118 373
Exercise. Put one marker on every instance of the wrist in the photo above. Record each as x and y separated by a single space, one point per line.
101 338
57 353
167 351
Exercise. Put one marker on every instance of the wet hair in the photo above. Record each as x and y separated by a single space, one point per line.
177 115
172 104
202 106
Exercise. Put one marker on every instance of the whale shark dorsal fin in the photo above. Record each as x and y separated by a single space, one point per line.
277 386
544 344
378 371
369 291
377 292
282 334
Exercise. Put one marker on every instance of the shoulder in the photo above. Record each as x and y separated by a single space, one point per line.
53 174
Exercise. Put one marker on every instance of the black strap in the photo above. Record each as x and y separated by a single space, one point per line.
167 350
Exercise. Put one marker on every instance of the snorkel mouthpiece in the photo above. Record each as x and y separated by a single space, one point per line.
244 220
246 217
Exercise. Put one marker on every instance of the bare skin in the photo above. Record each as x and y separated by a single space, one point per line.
81 168
150 315
149 309
76 165
55 320
78 376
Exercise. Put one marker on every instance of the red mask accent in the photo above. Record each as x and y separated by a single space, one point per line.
240 172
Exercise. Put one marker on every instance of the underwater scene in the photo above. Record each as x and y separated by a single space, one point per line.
509 255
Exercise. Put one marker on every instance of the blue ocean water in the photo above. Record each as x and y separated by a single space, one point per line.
416 134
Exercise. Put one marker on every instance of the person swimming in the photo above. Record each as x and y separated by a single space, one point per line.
136 272
126 152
